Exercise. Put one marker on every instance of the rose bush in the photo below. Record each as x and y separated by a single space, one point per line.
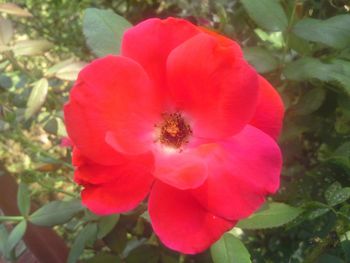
181 116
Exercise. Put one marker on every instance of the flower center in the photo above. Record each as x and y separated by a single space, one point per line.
174 131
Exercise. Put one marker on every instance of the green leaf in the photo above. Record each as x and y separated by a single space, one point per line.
106 224
16 235
104 258
6 31
334 32
144 253
3 240
86 236
335 194
103 30
56 213
261 59
70 72
31 47
271 215
310 68
14 9
268 14
311 101
23 199
37 97
229 249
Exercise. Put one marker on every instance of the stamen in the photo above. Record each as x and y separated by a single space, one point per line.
174 131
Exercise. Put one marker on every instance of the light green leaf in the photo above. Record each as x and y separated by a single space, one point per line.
334 32
261 59
268 14
3 240
14 9
271 215
103 30
6 31
55 213
37 97
31 47
311 101
86 236
16 235
23 199
106 224
229 249
335 194
70 72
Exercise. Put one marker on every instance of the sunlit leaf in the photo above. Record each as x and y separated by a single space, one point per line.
334 32
103 30
56 213
6 31
37 97
271 215
229 249
268 14
31 47
23 199
14 9
70 72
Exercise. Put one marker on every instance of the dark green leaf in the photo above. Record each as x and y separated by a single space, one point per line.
106 224
55 213
23 199
229 249
311 101
37 97
144 254
104 258
268 14
310 68
261 59
335 194
103 30
16 235
86 236
334 32
271 215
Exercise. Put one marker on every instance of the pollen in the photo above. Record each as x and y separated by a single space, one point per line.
174 132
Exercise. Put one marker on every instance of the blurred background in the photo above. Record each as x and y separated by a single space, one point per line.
301 47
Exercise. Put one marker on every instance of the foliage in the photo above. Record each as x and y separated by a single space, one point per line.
302 47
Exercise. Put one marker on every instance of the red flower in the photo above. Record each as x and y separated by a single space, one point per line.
179 114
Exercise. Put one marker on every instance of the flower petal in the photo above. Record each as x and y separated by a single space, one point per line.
115 189
244 169
151 41
112 94
181 223
269 112
215 87
181 169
